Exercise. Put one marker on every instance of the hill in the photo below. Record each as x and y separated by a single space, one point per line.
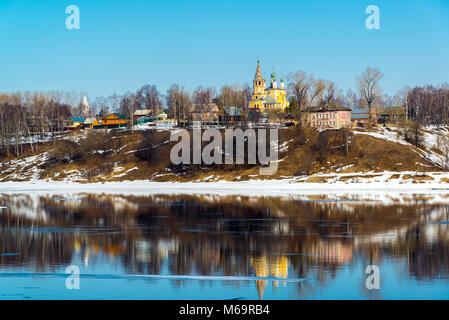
305 155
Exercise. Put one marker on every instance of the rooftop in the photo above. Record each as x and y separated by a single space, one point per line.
142 112
360 111
77 119
328 107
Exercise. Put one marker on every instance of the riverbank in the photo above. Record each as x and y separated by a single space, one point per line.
377 156
381 184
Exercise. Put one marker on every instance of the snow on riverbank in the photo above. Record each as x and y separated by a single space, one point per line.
296 186
432 138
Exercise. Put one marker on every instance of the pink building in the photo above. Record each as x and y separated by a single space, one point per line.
330 116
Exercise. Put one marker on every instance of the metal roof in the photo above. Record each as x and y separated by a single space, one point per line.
142 112
328 107
89 121
77 119
233 111
359 116
360 110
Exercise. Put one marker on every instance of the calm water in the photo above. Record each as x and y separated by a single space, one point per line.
211 247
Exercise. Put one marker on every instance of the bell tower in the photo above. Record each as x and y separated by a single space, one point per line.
258 83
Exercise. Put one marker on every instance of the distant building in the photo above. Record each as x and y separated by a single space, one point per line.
141 113
360 117
329 116
114 120
204 113
273 98
162 115
254 115
85 109
392 114
74 123
230 114
90 123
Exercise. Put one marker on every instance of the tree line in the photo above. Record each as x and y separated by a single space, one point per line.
36 117
33 117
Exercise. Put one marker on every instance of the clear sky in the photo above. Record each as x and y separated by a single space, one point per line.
122 45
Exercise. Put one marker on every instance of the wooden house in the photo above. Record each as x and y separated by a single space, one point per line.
74 123
141 113
114 120
204 113
91 123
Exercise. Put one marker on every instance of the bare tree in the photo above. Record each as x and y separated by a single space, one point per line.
351 100
149 98
316 91
298 84
370 91
179 102
237 96
202 98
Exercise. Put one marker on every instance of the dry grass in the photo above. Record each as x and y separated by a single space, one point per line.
346 178
417 177
308 153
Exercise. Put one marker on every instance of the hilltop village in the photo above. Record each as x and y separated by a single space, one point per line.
268 103
323 134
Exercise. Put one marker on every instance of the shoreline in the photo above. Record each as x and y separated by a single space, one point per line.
245 188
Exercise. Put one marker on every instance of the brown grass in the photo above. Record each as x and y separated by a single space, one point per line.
149 151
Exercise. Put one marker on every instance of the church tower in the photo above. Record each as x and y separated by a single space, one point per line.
258 83
85 109
269 98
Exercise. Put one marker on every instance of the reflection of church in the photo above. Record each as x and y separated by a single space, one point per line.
276 267
265 99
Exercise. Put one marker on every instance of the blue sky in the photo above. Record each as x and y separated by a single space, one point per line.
124 44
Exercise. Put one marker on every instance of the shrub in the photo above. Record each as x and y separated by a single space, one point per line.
67 151
101 170
413 134
322 144
305 164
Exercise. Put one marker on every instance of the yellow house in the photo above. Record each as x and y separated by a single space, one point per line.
74 123
271 98
114 120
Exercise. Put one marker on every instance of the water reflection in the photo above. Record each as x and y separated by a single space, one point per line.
312 237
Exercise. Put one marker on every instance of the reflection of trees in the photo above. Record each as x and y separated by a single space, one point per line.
221 235
427 261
